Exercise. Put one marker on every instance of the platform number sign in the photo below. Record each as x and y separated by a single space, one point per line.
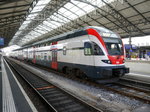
1 41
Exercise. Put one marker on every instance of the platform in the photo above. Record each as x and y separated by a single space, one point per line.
12 95
139 67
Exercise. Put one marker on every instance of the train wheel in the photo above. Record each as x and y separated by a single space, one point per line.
66 70
77 73
73 72
80 74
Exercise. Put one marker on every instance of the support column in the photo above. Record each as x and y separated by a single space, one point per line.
130 47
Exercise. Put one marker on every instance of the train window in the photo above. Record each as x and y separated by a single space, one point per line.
114 46
87 48
64 50
97 50
45 56
49 57
42 56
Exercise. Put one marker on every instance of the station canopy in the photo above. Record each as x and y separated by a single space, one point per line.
47 18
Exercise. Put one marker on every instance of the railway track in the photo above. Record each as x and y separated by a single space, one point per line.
133 83
133 91
57 99
130 91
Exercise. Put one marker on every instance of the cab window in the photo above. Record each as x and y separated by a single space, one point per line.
91 48
97 50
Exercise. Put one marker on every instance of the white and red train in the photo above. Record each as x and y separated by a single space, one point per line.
93 52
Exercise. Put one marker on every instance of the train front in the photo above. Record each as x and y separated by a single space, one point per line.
114 54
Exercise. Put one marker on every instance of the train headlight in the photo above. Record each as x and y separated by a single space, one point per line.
106 61
123 61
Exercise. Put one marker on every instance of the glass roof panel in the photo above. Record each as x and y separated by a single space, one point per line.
73 9
46 27
26 22
18 32
35 33
69 6
23 27
37 8
32 16
47 23
61 18
43 27
40 30
52 26
68 12
56 19
89 8
62 10
54 23
43 2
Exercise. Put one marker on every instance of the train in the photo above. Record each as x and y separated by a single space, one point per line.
90 52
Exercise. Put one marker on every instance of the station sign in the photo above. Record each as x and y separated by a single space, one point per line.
148 53
1 41
128 46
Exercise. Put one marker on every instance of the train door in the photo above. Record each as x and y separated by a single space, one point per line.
27 54
54 64
89 58
34 56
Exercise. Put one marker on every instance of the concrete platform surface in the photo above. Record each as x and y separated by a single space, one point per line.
139 67
12 95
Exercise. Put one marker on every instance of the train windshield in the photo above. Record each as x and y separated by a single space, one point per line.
113 45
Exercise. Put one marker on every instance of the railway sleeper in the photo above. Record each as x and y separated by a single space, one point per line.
65 102
48 91
72 108
55 95
58 98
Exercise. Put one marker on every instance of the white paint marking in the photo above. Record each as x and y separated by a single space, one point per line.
8 101
22 90
141 75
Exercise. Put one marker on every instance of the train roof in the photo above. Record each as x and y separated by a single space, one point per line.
71 34
78 32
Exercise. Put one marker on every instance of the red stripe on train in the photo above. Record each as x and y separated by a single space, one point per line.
96 34
114 59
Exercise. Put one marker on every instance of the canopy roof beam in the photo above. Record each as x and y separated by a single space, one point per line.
99 12
18 6
137 11
10 21
13 12
124 21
